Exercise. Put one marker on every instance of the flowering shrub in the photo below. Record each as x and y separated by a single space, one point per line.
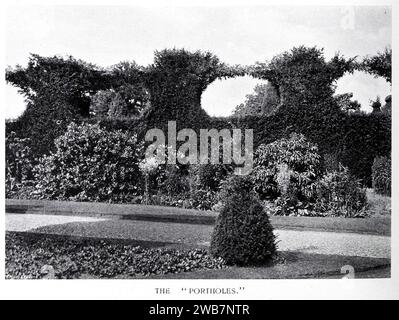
339 194
286 167
148 166
90 164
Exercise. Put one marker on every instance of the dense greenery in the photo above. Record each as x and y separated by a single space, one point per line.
340 194
27 258
263 101
286 166
19 164
303 75
298 98
382 175
90 164
243 234
379 65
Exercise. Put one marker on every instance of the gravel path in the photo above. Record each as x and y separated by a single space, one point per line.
343 244
347 244
26 222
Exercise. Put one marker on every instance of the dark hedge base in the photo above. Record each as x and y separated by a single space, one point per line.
26 255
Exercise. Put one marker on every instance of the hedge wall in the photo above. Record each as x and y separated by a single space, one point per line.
353 139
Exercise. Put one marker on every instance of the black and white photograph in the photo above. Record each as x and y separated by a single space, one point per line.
198 142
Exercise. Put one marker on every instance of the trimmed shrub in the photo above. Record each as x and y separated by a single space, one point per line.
286 167
90 164
339 194
382 175
243 234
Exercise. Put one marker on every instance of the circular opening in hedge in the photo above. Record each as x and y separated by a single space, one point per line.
365 87
223 96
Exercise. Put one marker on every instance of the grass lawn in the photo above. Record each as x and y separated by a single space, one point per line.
379 205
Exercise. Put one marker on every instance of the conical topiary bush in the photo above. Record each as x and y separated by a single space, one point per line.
243 234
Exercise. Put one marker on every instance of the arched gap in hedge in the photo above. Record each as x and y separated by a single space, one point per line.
222 96
365 88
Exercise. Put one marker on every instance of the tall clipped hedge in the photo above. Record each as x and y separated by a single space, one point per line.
42 122
355 139
59 90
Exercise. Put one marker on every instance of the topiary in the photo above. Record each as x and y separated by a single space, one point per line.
243 234
382 175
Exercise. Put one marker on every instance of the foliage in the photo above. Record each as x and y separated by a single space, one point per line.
19 163
25 257
59 91
100 102
90 164
263 101
198 199
107 103
56 78
126 96
354 139
128 82
42 122
381 172
338 193
379 65
346 103
364 137
175 82
201 199
302 165
243 234
302 75
387 108
376 105
209 176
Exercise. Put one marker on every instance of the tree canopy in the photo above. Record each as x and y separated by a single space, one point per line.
263 101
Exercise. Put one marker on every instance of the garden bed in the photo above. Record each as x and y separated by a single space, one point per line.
34 257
